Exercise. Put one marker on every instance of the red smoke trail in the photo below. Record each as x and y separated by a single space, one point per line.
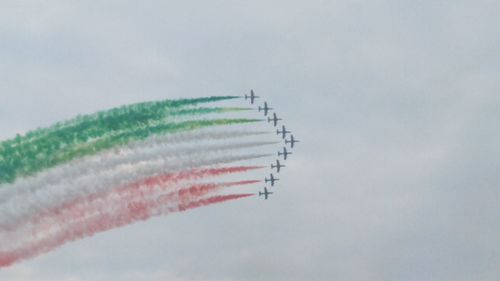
187 195
211 200
139 203
96 203
127 213
161 182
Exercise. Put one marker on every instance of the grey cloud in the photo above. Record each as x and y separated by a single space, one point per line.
396 103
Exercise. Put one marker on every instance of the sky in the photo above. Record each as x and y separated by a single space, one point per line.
396 104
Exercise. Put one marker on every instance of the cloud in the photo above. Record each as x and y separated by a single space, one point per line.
395 103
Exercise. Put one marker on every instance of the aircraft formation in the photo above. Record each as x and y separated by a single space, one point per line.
284 153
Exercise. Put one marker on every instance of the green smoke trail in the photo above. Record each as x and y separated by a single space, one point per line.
26 149
13 165
73 136
140 112
76 135
18 154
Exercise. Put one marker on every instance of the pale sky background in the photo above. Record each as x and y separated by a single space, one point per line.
397 104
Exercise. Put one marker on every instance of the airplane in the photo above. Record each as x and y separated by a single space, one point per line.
285 153
252 97
266 193
283 132
292 141
272 180
265 109
275 119
278 166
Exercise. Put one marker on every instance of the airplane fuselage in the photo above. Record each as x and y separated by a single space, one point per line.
266 193
272 179
292 141
285 153
283 132
265 109
252 97
278 166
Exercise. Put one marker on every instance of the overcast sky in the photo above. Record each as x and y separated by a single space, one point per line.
397 104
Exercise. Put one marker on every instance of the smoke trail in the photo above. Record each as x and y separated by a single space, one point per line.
193 137
76 211
14 165
95 167
115 167
31 203
157 192
138 112
211 200
93 131
132 190
159 146
161 189
133 213
13 154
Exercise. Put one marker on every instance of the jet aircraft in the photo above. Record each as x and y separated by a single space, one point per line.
252 97
272 179
266 108
278 166
285 153
275 119
266 193
292 141
283 132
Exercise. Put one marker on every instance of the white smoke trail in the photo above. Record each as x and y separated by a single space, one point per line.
103 205
98 223
131 153
22 207
201 135
93 168
99 173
